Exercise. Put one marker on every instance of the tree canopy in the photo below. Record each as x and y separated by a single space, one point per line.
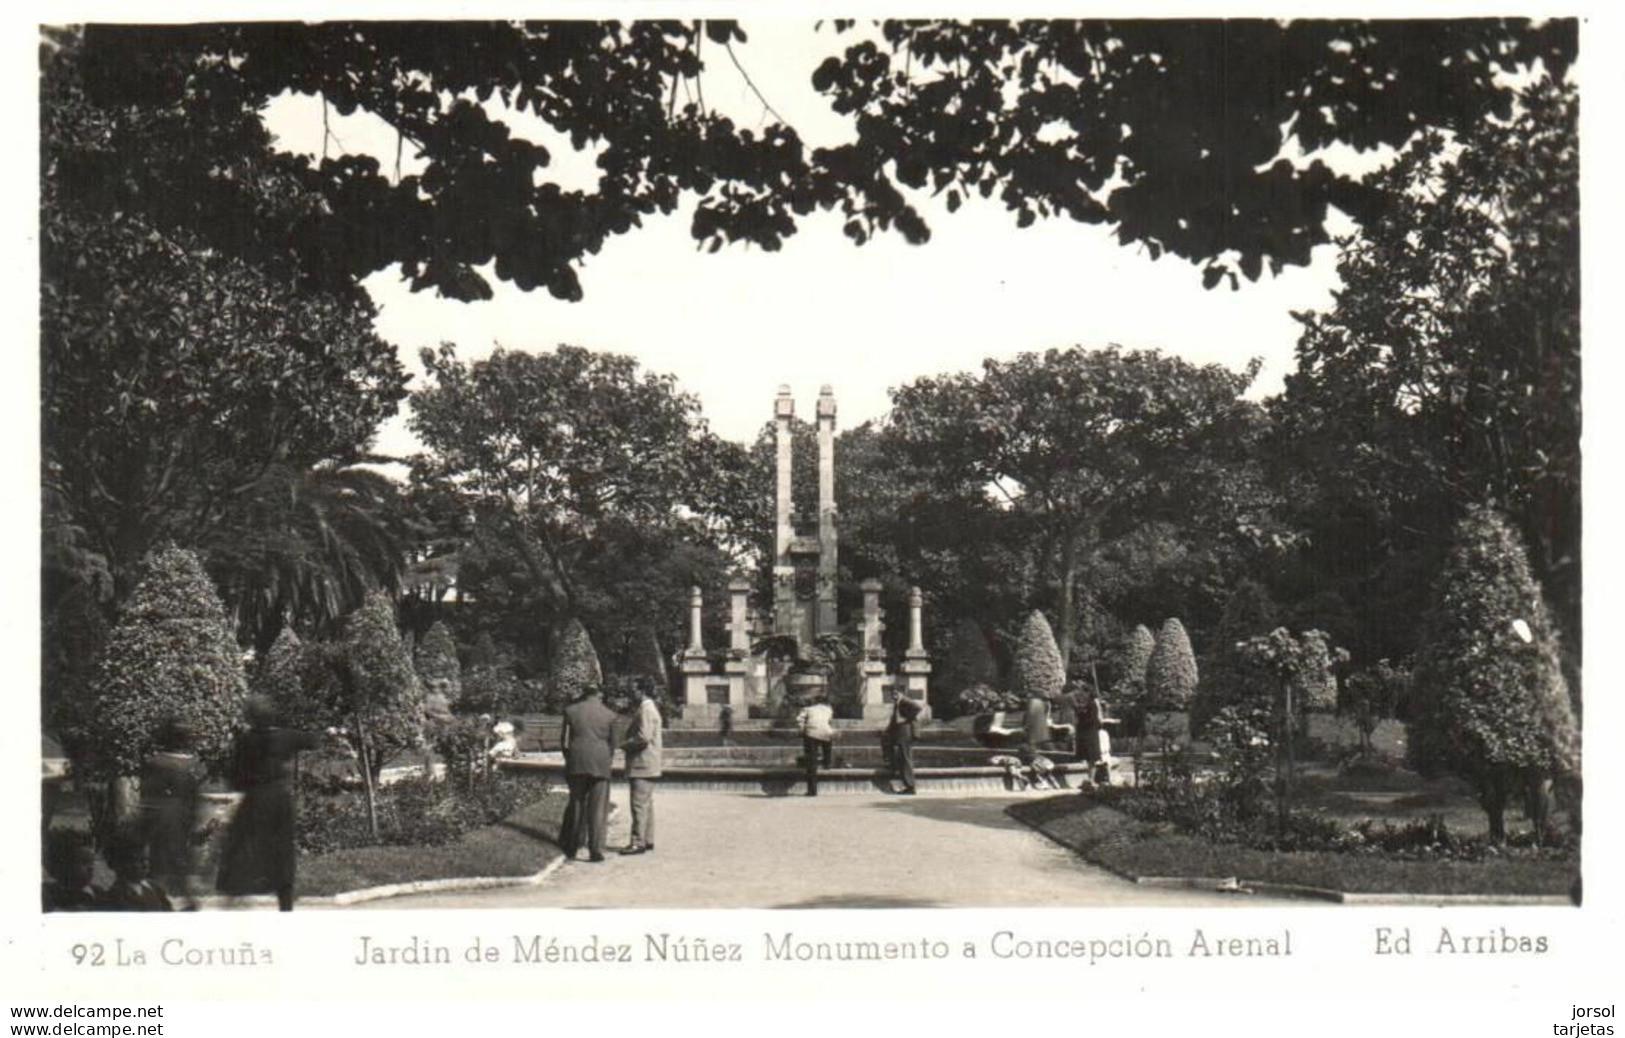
1173 132
1448 372
1088 447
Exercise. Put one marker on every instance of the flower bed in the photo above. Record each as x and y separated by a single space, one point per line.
1389 860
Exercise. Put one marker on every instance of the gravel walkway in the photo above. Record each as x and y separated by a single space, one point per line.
748 850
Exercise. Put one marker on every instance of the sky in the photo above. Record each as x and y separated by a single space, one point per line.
734 325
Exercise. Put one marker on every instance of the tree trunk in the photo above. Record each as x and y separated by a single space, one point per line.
366 778
1067 619
1538 803
1493 797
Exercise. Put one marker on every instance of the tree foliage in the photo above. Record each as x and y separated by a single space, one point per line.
1172 132
175 372
170 657
969 661
1035 663
1494 707
304 547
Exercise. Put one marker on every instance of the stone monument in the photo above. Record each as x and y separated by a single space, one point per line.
805 568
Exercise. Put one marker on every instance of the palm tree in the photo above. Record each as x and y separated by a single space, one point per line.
303 547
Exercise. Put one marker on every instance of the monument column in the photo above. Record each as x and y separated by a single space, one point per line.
827 562
737 666
696 668
784 572
873 666
916 663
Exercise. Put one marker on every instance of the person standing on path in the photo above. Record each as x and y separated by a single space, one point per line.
643 752
1090 716
817 738
258 857
1037 722
587 741
900 737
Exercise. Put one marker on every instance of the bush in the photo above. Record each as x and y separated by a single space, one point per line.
574 666
984 699
171 656
491 690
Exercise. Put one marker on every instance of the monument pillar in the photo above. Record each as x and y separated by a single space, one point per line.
784 571
696 668
827 562
737 667
872 668
916 662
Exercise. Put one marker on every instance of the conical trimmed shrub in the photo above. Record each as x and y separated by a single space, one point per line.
385 699
171 656
574 666
439 671
278 676
1495 707
1170 676
1036 668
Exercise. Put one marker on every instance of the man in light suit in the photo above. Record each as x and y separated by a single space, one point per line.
643 748
588 747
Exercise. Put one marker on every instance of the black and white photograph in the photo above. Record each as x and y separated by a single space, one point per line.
770 463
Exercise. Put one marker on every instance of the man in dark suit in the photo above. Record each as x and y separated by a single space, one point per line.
900 737
587 741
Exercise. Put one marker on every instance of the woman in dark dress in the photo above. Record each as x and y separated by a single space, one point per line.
259 855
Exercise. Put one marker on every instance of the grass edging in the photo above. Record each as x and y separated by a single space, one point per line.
443 884
1237 884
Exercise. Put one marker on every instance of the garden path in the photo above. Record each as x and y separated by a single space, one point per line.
721 849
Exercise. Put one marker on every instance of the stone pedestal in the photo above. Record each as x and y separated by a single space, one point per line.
876 704
913 680
701 703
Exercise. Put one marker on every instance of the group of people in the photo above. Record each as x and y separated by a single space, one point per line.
1090 741
588 741
154 857
816 724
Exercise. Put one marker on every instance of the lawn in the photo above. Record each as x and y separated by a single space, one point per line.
520 845
1135 848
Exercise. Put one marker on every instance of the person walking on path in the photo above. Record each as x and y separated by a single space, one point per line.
170 779
259 856
587 740
643 752
900 737
817 738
